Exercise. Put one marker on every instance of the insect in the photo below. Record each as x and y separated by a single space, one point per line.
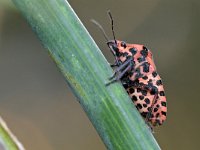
135 68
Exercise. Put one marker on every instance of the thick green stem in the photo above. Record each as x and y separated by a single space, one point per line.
86 70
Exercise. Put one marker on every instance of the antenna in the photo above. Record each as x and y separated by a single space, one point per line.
112 23
101 28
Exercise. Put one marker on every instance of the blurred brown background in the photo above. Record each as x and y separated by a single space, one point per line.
41 110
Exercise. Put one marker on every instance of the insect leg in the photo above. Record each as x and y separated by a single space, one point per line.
134 76
115 64
148 116
120 71
121 74
125 65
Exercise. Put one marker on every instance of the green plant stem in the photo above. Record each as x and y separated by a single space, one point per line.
86 70
7 140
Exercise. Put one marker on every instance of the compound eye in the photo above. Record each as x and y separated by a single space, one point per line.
123 44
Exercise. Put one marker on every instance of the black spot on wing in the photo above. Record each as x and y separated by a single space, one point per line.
139 106
144 105
154 74
149 109
141 59
164 104
159 82
141 97
134 98
154 90
155 109
147 101
145 77
144 92
146 67
131 90
144 52
144 114
133 51
138 90
163 113
162 93
157 115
